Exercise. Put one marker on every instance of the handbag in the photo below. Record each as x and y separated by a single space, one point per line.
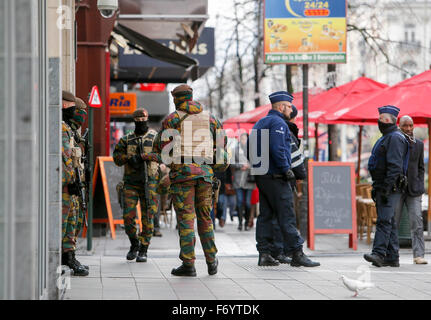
229 190
251 178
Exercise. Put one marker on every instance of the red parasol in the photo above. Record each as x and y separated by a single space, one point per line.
412 96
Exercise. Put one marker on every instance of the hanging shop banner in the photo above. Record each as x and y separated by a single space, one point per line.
305 31
122 103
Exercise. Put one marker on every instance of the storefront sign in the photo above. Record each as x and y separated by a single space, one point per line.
305 31
122 103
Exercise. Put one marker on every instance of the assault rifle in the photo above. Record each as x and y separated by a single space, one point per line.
84 186
143 166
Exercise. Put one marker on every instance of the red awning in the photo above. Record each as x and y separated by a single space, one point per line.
412 96
323 103
339 100
234 130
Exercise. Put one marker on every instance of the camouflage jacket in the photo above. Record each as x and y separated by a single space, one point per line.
185 172
67 143
127 147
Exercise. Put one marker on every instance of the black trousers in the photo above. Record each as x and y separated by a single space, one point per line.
276 200
386 238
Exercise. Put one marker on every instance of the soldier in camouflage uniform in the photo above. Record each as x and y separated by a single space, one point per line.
191 187
140 176
76 123
70 192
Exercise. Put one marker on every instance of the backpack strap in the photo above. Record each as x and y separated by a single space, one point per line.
181 118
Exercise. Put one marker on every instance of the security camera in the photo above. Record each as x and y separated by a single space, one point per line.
107 8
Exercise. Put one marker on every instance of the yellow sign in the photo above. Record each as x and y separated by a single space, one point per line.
305 31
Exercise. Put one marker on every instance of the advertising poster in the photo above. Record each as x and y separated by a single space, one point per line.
305 31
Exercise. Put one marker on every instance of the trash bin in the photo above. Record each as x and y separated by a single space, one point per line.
404 234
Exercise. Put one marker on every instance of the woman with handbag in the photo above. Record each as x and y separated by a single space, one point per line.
243 182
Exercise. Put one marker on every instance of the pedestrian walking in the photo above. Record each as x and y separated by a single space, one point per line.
140 179
192 177
275 189
71 156
227 196
388 167
412 195
243 182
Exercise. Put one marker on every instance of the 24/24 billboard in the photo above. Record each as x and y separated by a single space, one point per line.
305 31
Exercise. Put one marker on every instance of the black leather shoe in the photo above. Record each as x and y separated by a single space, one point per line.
299 258
133 252
184 271
283 258
389 263
375 259
240 227
266 260
142 254
212 267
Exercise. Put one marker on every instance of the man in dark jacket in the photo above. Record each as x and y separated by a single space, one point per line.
275 190
387 166
412 196
279 251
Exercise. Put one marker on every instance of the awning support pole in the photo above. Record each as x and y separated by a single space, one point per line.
358 170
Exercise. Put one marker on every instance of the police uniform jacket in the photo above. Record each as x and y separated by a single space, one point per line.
387 160
279 142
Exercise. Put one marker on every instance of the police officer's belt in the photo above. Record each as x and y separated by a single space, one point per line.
272 176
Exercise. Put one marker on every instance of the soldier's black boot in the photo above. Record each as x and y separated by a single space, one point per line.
212 267
266 260
300 259
184 271
133 252
142 254
78 270
79 263
64 259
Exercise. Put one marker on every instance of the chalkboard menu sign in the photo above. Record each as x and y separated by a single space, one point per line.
332 200
106 205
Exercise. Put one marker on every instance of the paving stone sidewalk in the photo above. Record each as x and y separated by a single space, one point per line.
239 277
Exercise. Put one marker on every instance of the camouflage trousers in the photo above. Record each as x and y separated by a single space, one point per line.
132 194
70 212
79 222
192 199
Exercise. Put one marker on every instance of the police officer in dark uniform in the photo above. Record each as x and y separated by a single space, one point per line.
275 190
387 166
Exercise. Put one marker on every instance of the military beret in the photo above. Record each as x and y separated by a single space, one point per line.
68 96
280 96
389 109
141 112
182 89
80 104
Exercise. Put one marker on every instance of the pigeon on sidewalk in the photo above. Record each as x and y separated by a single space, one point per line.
356 285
